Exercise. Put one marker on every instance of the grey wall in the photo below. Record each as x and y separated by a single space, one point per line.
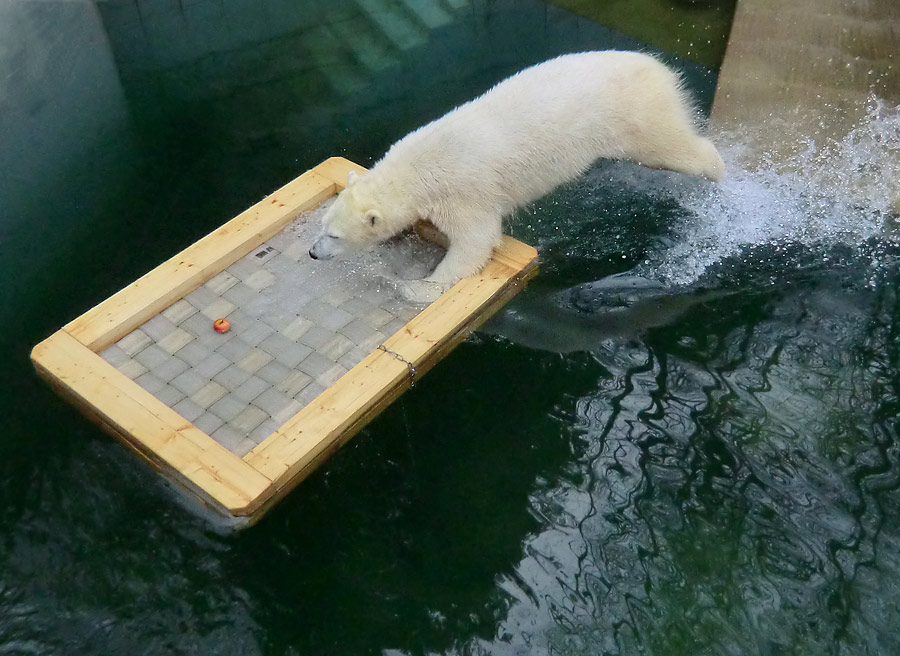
62 107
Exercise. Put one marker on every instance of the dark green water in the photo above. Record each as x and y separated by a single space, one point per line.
707 465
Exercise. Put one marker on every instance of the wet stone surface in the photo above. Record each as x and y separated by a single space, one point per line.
297 326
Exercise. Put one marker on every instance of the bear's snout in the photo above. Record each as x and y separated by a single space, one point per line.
322 248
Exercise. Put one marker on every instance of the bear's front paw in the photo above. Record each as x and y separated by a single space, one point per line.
421 291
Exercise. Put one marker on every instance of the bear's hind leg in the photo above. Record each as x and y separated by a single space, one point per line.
673 143
683 152
704 160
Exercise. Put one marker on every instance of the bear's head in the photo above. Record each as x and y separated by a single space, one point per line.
354 221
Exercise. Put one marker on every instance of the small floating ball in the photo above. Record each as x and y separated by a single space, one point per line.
221 325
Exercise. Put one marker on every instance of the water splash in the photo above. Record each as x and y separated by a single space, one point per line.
843 192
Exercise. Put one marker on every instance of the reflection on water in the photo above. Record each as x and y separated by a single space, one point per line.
691 447
579 318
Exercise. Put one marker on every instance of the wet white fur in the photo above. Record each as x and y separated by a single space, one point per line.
530 133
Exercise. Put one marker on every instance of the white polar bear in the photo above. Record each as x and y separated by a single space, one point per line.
530 133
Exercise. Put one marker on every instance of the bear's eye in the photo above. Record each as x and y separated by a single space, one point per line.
372 216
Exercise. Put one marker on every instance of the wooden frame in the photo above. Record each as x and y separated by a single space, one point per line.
242 489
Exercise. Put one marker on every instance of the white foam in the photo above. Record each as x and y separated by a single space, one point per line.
840 192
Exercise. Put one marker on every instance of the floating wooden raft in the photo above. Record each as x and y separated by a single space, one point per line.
238 422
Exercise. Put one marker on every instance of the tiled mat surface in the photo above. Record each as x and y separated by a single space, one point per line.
297 325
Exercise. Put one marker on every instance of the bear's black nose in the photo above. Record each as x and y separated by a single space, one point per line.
313 255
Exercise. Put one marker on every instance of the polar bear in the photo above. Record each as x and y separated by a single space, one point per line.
527 135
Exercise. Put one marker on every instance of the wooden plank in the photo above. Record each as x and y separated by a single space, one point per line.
514 253
332 418
126 310
188 456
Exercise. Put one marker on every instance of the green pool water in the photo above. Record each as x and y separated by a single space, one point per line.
680 439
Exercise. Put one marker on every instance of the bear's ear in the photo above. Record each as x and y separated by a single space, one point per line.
352 176
373 217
